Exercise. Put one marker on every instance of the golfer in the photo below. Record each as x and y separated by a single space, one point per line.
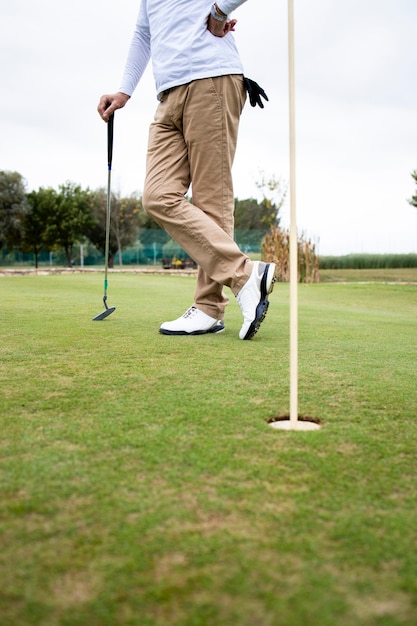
192 141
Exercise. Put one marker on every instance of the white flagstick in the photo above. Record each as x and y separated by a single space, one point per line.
293 232
294 423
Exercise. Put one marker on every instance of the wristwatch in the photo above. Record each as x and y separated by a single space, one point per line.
215 12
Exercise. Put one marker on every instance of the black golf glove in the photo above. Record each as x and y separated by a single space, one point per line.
255 92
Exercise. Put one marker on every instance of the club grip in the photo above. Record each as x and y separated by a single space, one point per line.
110 125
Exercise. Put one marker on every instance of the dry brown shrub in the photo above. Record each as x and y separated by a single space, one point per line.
276 249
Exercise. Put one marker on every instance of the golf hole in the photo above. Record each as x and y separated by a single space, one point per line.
283 422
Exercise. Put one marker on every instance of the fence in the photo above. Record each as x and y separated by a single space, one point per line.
153 247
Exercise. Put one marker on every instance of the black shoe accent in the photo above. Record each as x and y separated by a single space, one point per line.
217 328
264 291
261 311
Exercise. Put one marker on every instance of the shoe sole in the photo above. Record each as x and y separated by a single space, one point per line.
267 285
214 329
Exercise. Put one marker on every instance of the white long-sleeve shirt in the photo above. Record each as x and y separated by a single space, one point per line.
174 34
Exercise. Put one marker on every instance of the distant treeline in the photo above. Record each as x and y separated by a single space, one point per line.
367 261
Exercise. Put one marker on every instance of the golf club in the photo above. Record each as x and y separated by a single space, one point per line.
107 310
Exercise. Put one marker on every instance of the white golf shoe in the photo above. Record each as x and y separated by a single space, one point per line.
193 322
253 298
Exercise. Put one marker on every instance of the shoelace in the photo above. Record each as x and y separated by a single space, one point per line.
190 313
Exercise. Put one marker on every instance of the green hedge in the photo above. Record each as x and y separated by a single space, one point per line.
368 261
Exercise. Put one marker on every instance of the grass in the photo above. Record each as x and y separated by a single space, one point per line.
388 275
142 486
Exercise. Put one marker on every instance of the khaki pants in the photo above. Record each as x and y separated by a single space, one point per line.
193 140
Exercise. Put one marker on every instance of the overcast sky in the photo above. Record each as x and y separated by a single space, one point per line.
356 108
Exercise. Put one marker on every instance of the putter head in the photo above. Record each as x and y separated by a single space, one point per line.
101 316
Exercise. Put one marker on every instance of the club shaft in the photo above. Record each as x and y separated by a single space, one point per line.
110 124
107 245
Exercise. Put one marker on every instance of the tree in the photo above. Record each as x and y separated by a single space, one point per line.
250 214
126 222
70 217
253 215
413 199
12 208
250 223
41 206
126 217
96 233
274 193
